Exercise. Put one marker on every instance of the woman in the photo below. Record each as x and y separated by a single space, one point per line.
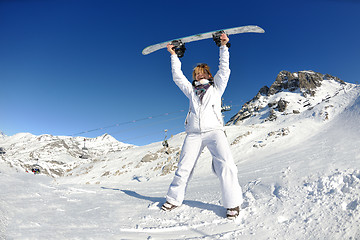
204 128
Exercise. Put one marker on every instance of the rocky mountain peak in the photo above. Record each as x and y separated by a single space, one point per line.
305 83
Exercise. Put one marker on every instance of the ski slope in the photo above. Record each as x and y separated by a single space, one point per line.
300 177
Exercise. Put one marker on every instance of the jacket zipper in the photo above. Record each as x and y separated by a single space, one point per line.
200 118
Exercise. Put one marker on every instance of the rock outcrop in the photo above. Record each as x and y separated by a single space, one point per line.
304 82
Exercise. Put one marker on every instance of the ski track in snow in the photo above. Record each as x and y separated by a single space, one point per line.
300 180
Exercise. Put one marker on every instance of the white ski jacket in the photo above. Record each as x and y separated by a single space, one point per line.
205 115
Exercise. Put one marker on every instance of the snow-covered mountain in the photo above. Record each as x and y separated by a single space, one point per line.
293 93
294 104
56 155
294 107
296 145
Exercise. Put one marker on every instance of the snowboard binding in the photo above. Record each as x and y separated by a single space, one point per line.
179 47
217 40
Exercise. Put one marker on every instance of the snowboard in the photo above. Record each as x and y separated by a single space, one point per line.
180 42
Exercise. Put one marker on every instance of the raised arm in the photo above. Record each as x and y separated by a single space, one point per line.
222 76
179 78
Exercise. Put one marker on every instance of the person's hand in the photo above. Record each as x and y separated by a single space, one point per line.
224 39
170 49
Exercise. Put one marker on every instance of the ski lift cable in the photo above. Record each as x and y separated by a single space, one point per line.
150 134
133 121
128 122
144 126
161 131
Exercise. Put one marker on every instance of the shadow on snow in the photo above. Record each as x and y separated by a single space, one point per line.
218 210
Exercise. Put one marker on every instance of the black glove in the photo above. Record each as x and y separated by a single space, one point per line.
217 40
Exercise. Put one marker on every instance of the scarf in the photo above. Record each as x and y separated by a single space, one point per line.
201 87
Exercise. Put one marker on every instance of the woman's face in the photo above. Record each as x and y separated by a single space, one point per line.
201 75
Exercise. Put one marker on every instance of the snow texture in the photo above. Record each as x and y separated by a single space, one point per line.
300 176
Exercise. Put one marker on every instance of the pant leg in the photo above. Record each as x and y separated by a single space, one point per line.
225 168
190 153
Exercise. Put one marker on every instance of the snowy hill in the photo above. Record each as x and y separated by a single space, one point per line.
304 112
293 93
296 145
56 155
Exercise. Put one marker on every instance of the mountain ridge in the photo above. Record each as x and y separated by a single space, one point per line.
303 82
272 119
299 174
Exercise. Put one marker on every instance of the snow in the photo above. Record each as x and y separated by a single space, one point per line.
300 177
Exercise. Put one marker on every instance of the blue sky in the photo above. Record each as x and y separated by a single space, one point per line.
71 66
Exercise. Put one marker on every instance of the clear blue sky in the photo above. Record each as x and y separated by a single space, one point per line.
69 66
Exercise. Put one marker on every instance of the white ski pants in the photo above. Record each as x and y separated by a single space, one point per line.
222 163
